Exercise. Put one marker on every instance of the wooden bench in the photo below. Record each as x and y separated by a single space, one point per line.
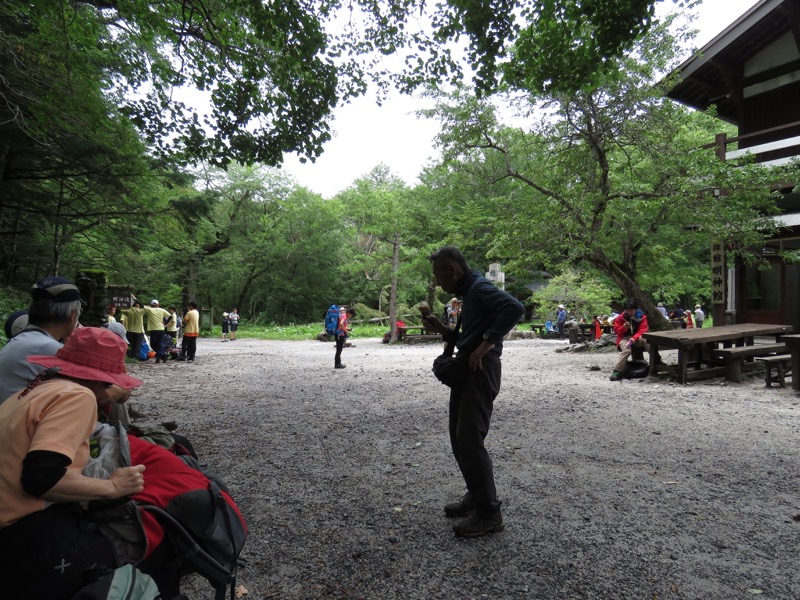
423 337
736 359
782 364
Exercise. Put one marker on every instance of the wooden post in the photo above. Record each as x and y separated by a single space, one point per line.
719 273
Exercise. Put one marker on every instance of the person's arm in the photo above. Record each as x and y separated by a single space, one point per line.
644 327
434 325
507 312
621 326
76 487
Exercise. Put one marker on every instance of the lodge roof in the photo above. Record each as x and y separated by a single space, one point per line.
713 74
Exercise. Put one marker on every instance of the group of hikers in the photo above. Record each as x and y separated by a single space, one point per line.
64 384
81 496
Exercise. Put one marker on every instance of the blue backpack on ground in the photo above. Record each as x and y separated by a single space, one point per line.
144 350
332 320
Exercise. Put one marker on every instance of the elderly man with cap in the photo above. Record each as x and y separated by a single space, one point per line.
561 321
52 316
155 317
46 549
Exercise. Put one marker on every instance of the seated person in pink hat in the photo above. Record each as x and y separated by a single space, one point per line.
46 549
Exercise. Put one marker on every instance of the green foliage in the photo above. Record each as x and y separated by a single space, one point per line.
94 120
581 292
291 332
364 313
609 180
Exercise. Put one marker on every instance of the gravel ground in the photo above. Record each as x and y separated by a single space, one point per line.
638 489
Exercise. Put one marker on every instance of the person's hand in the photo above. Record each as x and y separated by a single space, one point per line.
433 324
127 480
476 358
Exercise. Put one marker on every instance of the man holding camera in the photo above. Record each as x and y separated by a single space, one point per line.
488 314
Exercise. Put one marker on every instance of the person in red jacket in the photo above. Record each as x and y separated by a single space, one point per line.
629 327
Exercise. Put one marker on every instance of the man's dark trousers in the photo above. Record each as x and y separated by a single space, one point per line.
470 414
340 339
157 343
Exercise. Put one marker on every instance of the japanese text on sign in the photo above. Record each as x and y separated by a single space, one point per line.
717 274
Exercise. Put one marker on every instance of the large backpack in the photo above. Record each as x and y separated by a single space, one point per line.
182 502
332 320
195 510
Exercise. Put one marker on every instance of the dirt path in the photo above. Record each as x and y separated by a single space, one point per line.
639 489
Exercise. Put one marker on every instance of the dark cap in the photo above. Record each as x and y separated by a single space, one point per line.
58 289
16 322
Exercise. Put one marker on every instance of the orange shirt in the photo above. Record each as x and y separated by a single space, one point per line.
57 415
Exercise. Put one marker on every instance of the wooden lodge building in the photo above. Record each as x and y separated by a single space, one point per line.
751 72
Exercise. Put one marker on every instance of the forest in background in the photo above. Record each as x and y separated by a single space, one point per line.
603 191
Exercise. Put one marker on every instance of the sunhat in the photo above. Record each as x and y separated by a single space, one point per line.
224 314
91 353
153 302
697 306
117 328
16 322
560 306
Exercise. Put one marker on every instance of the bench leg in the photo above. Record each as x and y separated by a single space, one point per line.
768 375
733 369
781 375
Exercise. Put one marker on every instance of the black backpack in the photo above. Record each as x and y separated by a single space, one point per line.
636 369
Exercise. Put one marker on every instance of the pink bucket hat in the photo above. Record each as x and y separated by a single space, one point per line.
91 353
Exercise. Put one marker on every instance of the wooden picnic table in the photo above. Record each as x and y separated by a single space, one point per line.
793 342
412 333
695 346
587 330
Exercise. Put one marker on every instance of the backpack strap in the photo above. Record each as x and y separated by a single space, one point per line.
451 346
205 564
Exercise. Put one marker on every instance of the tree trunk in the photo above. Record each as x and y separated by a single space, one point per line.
624 277
393 290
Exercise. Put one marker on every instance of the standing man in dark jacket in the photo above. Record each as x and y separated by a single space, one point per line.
487 315
561 321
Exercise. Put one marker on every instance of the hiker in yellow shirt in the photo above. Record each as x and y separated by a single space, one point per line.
191 331
155 317
134 324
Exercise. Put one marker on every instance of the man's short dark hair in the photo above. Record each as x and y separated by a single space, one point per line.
43 311
630 304
193 304
450 254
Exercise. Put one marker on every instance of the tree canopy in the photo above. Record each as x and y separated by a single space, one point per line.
271 72
610 178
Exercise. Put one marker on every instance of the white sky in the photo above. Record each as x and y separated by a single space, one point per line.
366 135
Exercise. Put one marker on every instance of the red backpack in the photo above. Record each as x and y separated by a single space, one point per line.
194 509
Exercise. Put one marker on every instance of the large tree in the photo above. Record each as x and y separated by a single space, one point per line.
271 72
610 178
389 221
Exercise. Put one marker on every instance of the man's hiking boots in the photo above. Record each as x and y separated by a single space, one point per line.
462 508
476 525
473 524
615 375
